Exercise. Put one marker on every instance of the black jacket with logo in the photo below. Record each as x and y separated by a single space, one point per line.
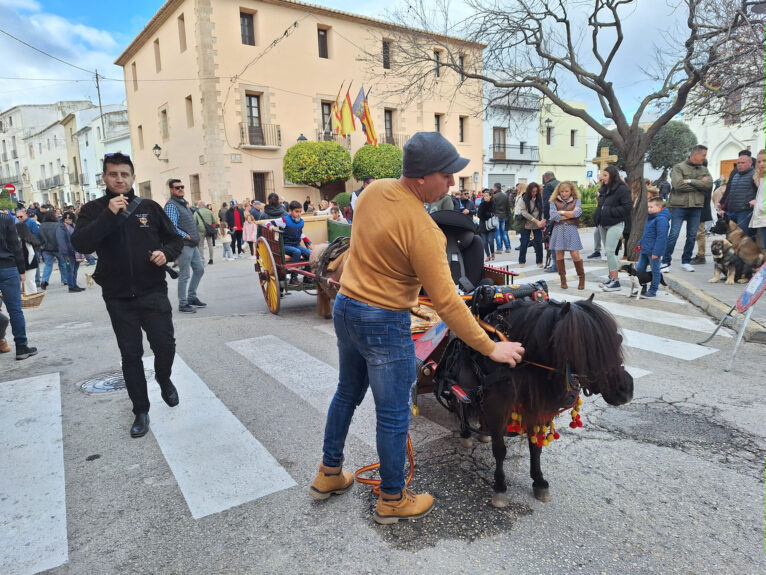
124 247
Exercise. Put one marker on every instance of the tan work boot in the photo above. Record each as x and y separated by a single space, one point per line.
4 347
562 273
409 506
580 274
330 481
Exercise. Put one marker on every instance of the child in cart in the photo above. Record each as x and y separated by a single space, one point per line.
291 227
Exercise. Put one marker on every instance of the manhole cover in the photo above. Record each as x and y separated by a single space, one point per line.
109 381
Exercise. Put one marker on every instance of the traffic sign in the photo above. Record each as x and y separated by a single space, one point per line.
590 174
10 188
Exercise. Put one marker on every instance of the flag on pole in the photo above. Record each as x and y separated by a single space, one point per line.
335 118
358 103
369 129
347 124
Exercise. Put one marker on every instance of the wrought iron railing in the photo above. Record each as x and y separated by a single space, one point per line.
74 178
522 154
397 140
262 135
329 136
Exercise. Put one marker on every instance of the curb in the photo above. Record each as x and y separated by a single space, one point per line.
754 331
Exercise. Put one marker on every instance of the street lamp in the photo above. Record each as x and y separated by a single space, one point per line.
157 150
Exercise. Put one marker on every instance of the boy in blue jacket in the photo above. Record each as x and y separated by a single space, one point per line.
653 243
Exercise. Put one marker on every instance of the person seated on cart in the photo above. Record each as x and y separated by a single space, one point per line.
291 226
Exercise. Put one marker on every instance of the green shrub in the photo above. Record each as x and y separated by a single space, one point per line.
317 163
6 203
343 199
588 193
385 161
586 219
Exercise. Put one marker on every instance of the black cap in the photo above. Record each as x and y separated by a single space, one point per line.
430 152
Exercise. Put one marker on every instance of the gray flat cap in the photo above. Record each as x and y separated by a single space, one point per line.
430 152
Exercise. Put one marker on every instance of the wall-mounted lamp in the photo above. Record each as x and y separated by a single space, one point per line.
157 151
302 138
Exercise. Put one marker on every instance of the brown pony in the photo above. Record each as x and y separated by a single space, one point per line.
569 348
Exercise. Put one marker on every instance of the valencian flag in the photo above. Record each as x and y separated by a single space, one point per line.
347 124
362 111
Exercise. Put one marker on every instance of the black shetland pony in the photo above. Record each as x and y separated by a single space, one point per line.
569 348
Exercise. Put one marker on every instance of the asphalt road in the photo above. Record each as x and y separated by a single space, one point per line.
670 483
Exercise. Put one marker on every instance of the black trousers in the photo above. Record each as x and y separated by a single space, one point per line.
236 241
153 314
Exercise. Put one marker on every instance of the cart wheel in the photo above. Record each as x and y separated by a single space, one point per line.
267 275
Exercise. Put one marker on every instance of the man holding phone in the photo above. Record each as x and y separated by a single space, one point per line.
134 240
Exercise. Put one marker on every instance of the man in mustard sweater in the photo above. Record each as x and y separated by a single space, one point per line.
395 248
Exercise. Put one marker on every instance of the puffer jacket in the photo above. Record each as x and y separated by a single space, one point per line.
655 237
614 205
689 194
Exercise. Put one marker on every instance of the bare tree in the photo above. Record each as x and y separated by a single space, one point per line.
534 46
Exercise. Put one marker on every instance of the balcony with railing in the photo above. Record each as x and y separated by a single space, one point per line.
515 154
15 154
74 178
397 140
15 179
5 156
328 136
84 178
263 136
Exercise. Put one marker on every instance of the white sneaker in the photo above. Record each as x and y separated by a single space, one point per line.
687 267
665 267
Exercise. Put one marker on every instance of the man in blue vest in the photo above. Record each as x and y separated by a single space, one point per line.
190 262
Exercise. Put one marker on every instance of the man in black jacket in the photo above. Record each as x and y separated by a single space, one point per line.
12 270
134 239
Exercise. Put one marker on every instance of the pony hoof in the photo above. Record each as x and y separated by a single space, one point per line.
466 442
499 500
485 438
542 494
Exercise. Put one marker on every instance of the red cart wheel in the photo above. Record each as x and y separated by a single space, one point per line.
266 268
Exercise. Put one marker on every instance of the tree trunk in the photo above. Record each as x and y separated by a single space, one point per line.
635 170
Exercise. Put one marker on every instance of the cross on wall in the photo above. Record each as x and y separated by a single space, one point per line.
604 159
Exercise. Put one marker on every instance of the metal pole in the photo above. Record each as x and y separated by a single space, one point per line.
100 109
739 337
720 323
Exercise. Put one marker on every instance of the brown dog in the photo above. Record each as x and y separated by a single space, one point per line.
742 244
728 264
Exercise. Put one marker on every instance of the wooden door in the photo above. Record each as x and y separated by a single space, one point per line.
727 166
498 143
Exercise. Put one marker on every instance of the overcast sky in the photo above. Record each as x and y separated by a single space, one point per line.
90 35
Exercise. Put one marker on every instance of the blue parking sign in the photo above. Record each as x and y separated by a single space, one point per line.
590 174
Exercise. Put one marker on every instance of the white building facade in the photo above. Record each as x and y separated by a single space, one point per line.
18 123
511 152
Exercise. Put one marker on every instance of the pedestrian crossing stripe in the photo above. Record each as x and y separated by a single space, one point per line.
316 383
224 465
33 533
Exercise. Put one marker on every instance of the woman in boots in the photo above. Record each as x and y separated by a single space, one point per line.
565 215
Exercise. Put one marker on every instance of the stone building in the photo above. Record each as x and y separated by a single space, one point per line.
218 91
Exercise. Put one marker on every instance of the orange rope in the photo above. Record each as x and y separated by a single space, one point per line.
373 466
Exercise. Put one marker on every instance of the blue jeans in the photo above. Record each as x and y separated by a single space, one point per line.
677 217
486 239
742 219
501 235
10 288
297 253
645 260
48 257
189 265
71 265
375 350
763 236
537 242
